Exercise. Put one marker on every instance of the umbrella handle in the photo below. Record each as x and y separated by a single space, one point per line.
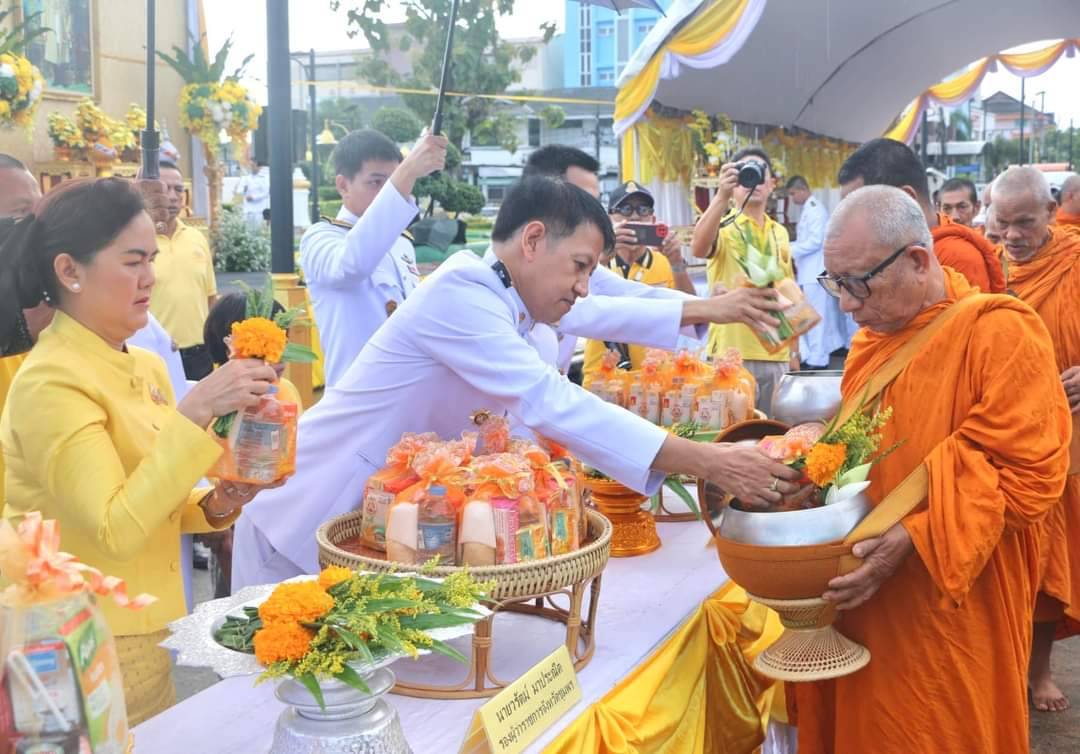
444 79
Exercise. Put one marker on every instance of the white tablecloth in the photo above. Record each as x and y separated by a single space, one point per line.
642 600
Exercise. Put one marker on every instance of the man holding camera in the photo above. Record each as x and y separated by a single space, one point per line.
644 253
722 236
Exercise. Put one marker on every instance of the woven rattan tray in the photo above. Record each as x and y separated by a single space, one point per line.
564 589
514 581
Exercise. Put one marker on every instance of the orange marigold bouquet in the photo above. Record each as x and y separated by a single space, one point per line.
332 626
835 459
260 442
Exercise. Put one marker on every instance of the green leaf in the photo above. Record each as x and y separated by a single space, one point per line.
352 678
354 641
311 683
386 605
677 487
297 354
445 649
223 425
436 620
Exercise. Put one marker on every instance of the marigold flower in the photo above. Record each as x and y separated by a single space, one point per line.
258 338
824 462
300 602
333 576
282 641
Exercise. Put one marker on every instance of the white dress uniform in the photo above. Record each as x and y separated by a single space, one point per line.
358 271
808 251
456 345
611 295
255 188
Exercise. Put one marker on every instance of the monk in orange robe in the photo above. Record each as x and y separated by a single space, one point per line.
892 163
1068 214
943 599
1044 271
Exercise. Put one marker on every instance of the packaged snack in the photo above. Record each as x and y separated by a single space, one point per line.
505 518
260 445
796 318
738 385
380 492
532 529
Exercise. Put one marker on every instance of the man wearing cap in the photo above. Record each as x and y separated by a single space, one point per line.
663 267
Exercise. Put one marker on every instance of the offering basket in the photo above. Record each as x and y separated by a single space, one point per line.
529 588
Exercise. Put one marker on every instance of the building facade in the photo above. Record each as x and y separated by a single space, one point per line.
599 42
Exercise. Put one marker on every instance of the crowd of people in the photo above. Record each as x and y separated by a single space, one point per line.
116 362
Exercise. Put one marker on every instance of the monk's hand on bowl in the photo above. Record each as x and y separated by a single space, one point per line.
881 557
1070 378
752 477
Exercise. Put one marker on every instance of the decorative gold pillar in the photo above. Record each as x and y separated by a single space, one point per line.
289 293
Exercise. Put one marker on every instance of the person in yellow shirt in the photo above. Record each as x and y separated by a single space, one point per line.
186 286
631 203
722 236
91 435
230 308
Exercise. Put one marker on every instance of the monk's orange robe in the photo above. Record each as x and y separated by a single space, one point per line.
1050 284
950 631
968 251
1068 220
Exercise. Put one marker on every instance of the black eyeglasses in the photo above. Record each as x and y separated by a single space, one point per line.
629 210
857 286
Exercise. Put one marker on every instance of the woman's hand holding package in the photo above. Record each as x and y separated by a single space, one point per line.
235 386
752 477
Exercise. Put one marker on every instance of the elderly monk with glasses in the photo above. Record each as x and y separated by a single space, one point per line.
943 598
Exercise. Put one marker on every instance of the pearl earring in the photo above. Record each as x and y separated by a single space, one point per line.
76 287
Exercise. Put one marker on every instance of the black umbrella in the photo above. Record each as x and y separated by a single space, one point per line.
444 79
151 144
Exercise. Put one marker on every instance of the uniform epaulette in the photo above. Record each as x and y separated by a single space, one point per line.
337 223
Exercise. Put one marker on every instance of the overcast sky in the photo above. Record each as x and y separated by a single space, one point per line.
313 24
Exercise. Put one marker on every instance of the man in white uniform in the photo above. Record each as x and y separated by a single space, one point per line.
361 266
458 344
613 299
255 190
808 252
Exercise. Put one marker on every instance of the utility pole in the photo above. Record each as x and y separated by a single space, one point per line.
925 136
1022 106
312 105
1070 144
280 141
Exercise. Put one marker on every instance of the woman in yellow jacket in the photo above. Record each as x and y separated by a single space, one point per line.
90 433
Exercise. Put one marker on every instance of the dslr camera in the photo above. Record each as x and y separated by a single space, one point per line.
751 173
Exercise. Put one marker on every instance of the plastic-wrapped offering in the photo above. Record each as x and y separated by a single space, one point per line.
260 447
61 689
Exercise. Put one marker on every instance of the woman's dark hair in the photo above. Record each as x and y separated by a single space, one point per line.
80 218
561 206
230 308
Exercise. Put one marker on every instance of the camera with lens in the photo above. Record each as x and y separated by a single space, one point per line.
751 173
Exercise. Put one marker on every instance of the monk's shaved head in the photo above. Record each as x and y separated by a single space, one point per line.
1023 209
880 252
892 216
1070 194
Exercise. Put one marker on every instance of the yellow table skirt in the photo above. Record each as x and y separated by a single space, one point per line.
695 694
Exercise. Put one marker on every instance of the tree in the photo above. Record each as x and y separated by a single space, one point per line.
452 195
482 62
341 110
959 126
399 125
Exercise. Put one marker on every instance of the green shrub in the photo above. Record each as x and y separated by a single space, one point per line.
397 123
239 247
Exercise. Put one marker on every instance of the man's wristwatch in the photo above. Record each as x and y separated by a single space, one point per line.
210 515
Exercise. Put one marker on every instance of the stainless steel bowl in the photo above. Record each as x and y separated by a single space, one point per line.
811 396
814 526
